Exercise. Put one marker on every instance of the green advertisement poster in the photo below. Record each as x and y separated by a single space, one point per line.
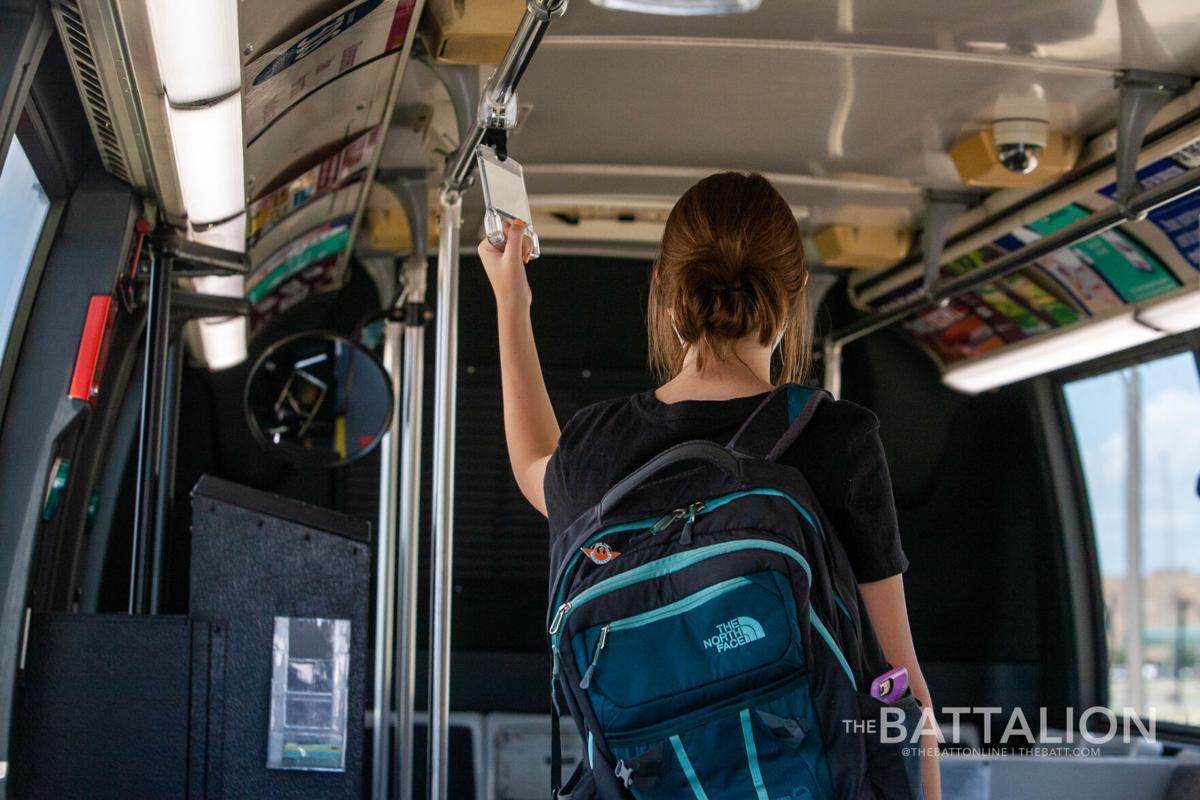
1133 272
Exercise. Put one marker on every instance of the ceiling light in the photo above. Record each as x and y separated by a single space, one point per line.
208 155
222 340
681 8
229 235
1074 345
196 44
1174 314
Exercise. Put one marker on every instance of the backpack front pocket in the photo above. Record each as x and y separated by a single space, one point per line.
769 746
695 653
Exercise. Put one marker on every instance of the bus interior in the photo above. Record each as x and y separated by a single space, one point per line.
220 217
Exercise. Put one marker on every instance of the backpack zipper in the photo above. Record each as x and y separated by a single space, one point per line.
685 538
653 615
672 563
587 676
705 507
666 521
661 730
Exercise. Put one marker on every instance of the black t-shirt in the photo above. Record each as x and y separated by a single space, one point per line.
839 452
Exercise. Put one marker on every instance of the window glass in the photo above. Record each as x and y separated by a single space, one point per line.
1138 434
23 209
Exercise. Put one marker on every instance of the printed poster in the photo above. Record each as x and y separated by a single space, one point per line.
1133 272
358 34
325 241
1042 302
321 276
1180 220
978 301
953 332
1070 272
330 175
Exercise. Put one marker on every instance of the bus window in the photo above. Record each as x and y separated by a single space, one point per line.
1140 448
23 209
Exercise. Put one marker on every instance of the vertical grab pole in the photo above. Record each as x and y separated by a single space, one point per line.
833 368
416 204
150 433
385 566
407 543
1134 607
444 400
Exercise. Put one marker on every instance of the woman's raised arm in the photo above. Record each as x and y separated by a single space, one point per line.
530 427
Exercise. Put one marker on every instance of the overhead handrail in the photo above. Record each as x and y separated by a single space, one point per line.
500 92
1095 223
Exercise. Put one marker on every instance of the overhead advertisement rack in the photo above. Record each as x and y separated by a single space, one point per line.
1070 258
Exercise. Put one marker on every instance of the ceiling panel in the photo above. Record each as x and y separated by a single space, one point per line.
1150 34
817 201
778 108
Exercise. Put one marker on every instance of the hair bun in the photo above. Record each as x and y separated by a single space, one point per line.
731 266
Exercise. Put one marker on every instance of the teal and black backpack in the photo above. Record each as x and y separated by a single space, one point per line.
709 639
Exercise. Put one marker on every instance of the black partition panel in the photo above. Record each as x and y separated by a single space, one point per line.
256 556
103 707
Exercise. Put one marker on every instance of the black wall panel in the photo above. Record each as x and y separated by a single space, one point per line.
103 710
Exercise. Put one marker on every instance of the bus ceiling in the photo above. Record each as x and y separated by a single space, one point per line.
978 179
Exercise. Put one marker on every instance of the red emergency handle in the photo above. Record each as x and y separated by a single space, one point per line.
93 349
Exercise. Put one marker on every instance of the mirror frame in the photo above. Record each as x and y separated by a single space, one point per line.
296 457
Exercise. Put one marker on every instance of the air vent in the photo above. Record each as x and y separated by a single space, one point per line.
80 54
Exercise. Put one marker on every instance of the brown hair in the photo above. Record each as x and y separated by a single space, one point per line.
731 265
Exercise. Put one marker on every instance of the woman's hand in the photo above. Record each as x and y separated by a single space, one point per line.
506 267
888 612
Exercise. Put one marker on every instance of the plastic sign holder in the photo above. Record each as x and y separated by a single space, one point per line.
504 198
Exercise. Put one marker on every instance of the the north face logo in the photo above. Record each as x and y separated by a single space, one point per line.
735 633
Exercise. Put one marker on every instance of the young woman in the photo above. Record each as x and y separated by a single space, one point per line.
728 287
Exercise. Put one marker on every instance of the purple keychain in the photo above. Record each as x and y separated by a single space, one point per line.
891 685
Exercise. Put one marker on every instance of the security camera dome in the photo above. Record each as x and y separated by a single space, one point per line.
1020 127
1019 158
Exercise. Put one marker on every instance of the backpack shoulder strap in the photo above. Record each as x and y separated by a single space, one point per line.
778 421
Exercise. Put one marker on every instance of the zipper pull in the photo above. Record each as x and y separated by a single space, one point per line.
666 521
685 538
587 676
553 685
556 623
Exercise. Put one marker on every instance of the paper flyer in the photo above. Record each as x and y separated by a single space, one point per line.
1132 272
321 276
1043 303
953 332
1012 318
326 240
328 176
283 76
1180 220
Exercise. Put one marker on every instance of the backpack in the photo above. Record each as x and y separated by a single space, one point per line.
709 638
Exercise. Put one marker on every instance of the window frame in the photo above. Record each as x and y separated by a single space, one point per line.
57 194
1167 732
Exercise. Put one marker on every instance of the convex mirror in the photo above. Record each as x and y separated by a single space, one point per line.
318 399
